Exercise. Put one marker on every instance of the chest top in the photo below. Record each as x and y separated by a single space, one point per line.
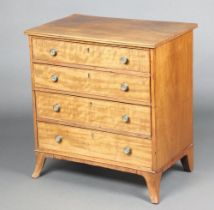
125 32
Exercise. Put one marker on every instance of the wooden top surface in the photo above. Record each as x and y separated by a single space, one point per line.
140 33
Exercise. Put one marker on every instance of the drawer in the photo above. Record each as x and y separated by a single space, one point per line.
107 84
92 55
73 142
97 114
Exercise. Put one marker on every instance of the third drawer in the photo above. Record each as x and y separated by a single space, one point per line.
96 114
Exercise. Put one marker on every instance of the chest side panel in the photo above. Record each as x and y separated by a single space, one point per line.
172 83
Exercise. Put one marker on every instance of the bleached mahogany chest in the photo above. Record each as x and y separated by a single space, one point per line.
114 93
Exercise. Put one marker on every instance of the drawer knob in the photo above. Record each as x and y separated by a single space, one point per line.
127 150
56 107
53 52
58 139
124 60
54 78
124 87
125 118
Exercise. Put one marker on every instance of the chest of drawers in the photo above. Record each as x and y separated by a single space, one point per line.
113 93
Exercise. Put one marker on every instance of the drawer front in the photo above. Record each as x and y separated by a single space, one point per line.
73 141
105 84
92 55
105 115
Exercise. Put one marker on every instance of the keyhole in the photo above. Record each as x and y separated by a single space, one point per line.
89 75
88 49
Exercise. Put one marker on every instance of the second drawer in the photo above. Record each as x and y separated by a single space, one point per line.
106 84
92 113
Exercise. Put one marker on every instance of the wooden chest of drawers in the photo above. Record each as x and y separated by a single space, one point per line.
114 93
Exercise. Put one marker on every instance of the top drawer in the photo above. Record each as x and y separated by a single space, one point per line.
91 55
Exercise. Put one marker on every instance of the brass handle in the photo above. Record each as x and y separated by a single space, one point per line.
124 60
54 78
125 118
56 107
124 87
53 52
58 139
127 150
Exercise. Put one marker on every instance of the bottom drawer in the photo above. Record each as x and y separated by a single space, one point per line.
101 146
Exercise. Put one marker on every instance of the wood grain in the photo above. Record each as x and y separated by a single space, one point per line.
91 55
96 144
96 113
173 98
93 82
124 32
